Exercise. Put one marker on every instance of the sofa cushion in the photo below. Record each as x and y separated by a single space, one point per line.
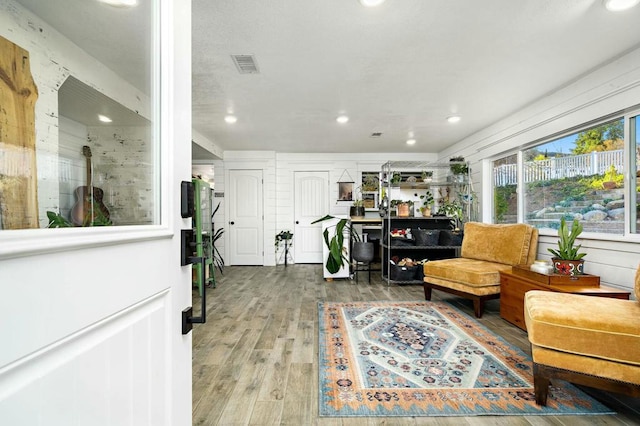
503 243
471 272
585 325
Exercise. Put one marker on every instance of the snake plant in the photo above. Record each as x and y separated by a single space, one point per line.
566 249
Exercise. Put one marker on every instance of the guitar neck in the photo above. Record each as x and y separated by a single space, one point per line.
89 173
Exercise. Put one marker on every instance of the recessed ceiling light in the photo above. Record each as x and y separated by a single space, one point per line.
342 119
619 5
371 3
453 118
120 3
231 119
411 141
104 118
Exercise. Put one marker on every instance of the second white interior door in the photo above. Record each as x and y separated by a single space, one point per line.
311 202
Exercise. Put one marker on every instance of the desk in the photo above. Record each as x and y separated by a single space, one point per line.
513 287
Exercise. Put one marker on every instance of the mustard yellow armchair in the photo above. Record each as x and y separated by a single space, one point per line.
592 341
486 250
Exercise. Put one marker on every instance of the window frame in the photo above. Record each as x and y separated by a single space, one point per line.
15 243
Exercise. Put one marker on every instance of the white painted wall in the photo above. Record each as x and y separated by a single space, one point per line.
606 90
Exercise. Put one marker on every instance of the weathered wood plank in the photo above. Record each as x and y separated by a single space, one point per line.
18 177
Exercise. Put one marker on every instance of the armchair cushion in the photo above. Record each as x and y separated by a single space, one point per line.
513 244
582 325
471 272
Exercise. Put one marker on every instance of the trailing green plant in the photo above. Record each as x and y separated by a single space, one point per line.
426 174
427 199
566 249
458 166
57 221
282 236
337 257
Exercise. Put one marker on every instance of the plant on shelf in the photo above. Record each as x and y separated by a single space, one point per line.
458 166
357 208
370 184
452 209
396 177
427 203
337 257
566 259
427 175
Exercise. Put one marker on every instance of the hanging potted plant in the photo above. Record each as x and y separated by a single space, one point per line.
566 259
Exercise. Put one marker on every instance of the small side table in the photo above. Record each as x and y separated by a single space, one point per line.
514 286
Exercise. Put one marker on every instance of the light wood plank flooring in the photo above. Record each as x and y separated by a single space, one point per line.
255 360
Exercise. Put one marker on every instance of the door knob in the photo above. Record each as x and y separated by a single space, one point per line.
297 222
232 223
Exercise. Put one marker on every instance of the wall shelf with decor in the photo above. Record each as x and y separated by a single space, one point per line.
406 188
370 190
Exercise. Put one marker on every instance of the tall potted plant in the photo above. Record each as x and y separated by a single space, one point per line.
566 259
337 257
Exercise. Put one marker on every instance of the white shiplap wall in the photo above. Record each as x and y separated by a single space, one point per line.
611 88
279 170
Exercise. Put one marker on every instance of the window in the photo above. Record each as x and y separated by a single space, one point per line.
505 184
81 150
578 176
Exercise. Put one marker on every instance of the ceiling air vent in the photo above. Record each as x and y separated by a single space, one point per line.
376 134
246 64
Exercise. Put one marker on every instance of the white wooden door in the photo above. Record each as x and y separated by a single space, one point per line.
246 220
90 318
311 202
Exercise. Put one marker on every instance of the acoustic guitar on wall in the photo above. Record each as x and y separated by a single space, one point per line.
89 209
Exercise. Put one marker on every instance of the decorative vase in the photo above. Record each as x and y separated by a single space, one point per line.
568 267
356 212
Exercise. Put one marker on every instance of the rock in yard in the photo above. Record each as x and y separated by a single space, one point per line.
617 214
595 215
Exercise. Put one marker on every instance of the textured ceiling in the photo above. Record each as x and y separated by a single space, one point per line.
398 69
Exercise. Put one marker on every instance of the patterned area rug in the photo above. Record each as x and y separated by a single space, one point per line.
427 359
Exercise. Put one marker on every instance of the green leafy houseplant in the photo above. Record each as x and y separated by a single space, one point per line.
458 166
57 221
566 249
337 257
